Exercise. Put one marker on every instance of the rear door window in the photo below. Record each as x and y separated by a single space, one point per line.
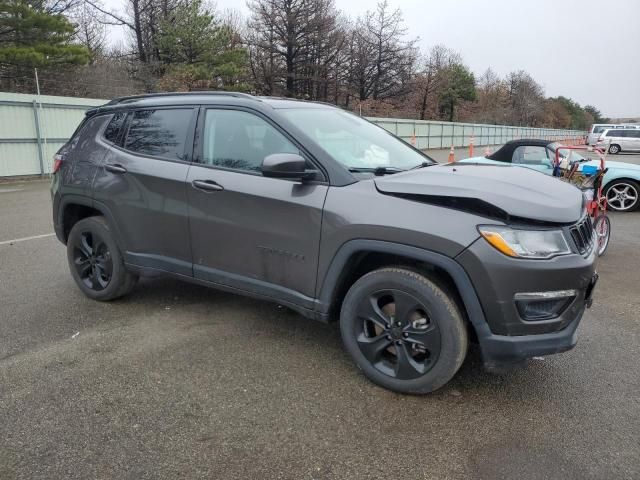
159 133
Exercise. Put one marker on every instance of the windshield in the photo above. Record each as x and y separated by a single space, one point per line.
575 156
600 128
353 141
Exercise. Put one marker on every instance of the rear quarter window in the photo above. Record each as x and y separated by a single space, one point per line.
112 132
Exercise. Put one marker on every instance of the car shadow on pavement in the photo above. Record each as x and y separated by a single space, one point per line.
199 307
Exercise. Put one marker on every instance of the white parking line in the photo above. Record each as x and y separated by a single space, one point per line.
16 240
9 190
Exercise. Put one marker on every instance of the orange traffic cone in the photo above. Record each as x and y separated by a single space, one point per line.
471 141
452 155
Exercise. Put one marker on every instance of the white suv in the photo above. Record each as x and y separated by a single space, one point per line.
620 140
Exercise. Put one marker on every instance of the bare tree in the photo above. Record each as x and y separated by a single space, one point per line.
142 19
493 105
384 60
91 31
526 98
293 44
428 79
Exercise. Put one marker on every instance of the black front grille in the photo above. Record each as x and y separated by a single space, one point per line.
582 234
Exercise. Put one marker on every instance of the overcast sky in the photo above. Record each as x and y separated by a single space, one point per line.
584 49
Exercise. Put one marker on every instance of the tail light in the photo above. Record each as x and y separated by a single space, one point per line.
57 162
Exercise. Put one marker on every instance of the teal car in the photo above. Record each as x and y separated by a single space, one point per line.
621 183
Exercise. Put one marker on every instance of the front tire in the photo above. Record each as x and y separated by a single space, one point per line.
95 261
403 331
602 227
614 149
623 195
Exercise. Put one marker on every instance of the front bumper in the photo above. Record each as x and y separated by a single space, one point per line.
499 351
507 338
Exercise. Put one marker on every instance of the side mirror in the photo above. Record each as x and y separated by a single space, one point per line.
286 165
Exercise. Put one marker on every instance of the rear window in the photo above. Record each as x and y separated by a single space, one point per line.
159 133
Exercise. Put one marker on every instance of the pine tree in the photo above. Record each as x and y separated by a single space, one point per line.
31 36
197 49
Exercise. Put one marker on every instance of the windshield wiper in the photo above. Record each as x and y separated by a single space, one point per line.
423 164
376 170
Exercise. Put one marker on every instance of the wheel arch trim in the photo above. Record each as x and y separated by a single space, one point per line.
330 283
85 202
622 177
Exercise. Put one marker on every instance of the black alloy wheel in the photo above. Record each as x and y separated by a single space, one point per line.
95 261
396 334
92 261
404 330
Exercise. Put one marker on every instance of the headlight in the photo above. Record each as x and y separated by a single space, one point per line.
525 243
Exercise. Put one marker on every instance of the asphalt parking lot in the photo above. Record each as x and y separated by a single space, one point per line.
179 381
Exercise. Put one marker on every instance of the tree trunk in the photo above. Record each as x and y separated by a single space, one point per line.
142 55
290 92
423 106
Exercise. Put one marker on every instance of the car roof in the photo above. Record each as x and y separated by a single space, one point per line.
205 98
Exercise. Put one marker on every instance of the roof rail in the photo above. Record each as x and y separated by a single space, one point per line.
132 98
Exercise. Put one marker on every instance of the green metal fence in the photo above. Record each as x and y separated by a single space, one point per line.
425 134
33 128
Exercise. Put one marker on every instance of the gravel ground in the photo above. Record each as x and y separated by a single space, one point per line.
179 381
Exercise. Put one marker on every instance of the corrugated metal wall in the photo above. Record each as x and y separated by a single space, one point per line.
32 129
426 134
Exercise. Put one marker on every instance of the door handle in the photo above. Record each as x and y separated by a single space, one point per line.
207 185
115 168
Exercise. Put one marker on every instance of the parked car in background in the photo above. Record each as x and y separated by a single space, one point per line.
618 140
315 208
598 129
621 182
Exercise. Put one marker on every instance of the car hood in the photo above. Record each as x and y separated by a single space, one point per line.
518 192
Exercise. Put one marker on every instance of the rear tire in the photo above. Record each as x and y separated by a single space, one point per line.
622 195
614 149
95 261
403 331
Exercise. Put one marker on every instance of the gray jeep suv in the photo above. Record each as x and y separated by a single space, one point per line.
321 211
